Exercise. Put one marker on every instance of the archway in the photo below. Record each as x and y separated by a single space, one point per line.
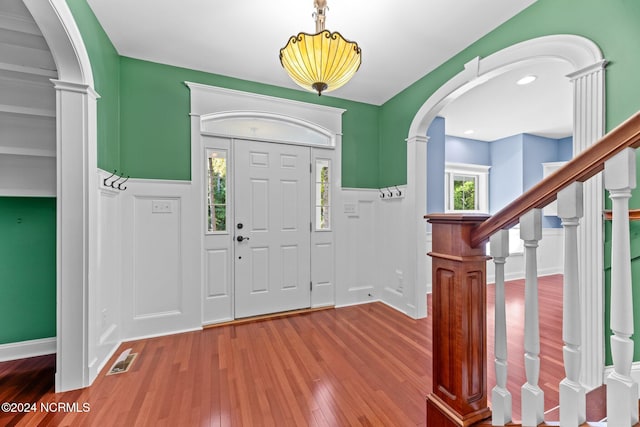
588 111
76 133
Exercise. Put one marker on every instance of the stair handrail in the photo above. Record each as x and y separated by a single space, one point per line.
582 167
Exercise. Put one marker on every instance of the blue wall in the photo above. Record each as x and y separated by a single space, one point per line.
435 166
565 149
465 150
538 150
505 175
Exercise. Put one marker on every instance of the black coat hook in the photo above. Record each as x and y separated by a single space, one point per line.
398 192
120 187
104 181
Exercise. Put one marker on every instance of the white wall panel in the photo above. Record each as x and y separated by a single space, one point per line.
217 273
356 247
157 273
161 291
105 315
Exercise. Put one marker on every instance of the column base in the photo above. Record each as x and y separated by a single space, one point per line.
439 414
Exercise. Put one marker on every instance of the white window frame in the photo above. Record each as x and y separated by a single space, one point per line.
481 175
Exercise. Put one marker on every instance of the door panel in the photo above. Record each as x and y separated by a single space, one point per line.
272 204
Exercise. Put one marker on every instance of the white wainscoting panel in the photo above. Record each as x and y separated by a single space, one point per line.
157 285
105 314
161 289
356 247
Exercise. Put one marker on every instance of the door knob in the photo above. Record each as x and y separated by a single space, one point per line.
241 238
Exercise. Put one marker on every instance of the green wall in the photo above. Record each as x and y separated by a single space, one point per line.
613 26
28 268
105 64
155 137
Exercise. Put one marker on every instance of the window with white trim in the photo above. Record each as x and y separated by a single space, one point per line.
466 188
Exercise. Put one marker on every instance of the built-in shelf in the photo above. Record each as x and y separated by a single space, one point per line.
19 24
30 152
7 192
28 70
27 111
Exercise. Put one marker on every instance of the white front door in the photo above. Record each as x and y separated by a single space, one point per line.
271 227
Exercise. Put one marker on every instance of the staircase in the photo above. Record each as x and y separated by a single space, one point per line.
459 396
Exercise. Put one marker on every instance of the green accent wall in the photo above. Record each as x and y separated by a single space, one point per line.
105 64
155 137
28 268
613 26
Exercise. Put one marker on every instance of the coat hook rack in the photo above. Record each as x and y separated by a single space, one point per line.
115 181
391 192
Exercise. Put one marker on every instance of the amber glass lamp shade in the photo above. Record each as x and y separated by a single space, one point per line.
320 62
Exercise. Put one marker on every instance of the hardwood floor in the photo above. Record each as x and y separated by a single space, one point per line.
364 365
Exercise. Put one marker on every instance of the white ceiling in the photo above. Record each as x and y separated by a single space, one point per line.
401 41
501 108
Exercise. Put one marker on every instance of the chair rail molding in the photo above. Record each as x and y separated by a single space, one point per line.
589 118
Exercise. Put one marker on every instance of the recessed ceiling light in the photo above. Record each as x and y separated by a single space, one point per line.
526 80
468 132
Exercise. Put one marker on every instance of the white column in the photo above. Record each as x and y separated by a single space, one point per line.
588 128
532 395
572 393
416 207
622 391
500 396
76 234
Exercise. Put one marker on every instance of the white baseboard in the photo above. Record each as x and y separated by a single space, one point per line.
352 304
109 355
24 349
162 334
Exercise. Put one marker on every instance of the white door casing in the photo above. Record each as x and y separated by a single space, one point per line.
272 227
219 117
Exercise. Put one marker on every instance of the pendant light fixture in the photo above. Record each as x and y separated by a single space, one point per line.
323 61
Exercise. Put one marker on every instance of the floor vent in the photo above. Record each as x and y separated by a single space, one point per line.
123 363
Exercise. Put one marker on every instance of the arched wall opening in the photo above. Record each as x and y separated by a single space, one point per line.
76 134
588 82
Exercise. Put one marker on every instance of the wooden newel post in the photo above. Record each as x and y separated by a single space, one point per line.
459 396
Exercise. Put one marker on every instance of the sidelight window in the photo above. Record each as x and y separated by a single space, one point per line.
216 191
323 194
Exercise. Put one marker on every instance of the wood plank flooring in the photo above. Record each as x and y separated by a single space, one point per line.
364 365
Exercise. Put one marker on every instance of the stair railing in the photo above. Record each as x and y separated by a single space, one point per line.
459 396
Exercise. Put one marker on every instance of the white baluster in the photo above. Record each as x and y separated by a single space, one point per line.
622 391
532 395
500 396
572 393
